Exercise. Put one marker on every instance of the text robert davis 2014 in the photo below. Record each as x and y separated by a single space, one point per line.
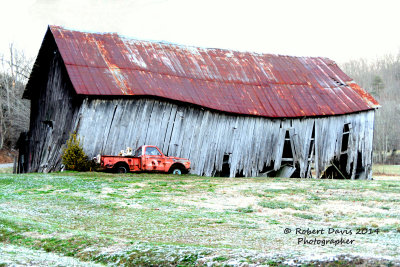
322 241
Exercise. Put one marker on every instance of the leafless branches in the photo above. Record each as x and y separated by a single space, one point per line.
382 79
14 111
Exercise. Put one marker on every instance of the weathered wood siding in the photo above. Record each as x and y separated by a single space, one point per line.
205 136
54 106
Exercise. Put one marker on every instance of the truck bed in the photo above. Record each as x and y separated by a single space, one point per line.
133 162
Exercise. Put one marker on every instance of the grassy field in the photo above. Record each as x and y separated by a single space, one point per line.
144 219
393 170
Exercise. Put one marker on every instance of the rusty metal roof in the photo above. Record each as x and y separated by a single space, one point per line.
231 81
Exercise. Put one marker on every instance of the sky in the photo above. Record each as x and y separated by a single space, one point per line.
338 29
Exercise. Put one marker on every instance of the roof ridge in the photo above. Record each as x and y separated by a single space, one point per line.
168 43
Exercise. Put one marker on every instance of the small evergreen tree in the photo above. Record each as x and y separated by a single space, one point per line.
377 86
74 158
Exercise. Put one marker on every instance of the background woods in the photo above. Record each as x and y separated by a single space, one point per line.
14 111
381 78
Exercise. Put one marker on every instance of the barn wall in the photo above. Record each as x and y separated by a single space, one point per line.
203 136
54 107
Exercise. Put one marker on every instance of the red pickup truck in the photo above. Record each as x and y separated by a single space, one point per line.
146 158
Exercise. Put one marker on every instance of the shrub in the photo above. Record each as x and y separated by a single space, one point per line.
74 158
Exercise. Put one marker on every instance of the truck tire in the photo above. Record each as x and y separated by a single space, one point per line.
122 169
176 171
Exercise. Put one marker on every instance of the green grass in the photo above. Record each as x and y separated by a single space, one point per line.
307 216
154 219
386 169
274 204
248 209
282 205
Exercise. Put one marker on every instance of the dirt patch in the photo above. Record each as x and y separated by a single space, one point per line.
7 156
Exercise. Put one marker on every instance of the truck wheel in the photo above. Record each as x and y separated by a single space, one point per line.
122 169
177 171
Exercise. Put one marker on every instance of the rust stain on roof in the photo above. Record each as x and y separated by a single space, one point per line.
237 82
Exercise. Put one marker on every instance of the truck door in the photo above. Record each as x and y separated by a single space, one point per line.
154 159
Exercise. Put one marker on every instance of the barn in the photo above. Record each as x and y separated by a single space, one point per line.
231 113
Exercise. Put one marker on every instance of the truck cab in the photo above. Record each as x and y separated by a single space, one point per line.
146 158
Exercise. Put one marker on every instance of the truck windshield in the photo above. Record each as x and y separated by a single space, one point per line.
138 152
152 151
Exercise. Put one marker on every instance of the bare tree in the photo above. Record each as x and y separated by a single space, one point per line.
14 111
381 78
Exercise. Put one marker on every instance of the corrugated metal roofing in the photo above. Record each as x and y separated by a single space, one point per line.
238 82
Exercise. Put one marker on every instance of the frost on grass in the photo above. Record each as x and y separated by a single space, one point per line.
21 256
341 260
164 220
146 254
